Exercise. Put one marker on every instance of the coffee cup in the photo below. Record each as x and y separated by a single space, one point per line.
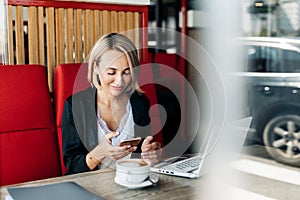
132 171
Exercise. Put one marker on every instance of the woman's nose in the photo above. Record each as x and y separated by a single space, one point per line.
118 79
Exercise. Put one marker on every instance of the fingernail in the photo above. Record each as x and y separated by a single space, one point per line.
128 146
117 132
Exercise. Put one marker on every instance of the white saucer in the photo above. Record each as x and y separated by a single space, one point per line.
133 186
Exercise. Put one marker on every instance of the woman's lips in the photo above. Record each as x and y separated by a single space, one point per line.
118 88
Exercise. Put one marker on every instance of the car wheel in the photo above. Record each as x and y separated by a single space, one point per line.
282 137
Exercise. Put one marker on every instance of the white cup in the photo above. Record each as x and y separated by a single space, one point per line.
132 171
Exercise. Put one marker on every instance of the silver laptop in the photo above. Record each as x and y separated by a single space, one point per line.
191 166
183 166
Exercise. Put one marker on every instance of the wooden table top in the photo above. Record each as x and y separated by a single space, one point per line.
102 182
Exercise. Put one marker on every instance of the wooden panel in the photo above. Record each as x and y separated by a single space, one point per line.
19 30
105 22
69 35
129 25
97 32
100 24
91 30
60 36
50 44
86 4
41 37
10 35
88 29
113 21
32 36
86 32
136 25
77 35
71 31
121 22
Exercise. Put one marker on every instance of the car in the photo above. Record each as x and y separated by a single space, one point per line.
272 76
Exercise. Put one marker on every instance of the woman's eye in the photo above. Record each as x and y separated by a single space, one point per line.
111 72
126 72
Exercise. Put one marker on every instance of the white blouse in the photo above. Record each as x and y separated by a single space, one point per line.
125 129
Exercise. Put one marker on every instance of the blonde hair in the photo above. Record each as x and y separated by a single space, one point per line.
118 42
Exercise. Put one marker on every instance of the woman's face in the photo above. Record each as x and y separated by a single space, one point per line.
114 72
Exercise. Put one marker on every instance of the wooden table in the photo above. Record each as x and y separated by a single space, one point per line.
102 183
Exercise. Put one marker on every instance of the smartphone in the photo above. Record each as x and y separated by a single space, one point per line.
132 142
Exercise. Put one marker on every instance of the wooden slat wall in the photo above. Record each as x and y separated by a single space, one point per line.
33 36
136 31
78 35
122 21
105 22
51 60
113 21
10 33
19 27
88 32
41 36
129 25
97 28
60 35
69 33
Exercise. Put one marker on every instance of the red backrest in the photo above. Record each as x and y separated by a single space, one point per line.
28 140
64 80
146 81
170 70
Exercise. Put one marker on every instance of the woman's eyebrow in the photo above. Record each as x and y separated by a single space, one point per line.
112 68
128 68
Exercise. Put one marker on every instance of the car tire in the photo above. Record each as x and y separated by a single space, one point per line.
281 136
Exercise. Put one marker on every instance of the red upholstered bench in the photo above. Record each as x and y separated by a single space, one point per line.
65 85
28 140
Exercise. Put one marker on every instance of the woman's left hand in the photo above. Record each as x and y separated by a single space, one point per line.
151 151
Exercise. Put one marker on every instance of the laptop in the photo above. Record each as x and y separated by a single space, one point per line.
191 165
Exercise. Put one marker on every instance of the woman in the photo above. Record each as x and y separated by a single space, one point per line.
112 109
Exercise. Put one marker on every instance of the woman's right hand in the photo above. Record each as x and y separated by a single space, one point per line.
106 149
113 152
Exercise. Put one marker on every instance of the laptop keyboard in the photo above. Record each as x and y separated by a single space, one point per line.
186 165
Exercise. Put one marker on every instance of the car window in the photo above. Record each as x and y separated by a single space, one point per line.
262 59
254 62
290 61
271 59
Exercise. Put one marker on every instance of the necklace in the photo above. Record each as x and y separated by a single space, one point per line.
118 124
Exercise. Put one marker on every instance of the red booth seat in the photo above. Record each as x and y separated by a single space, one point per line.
28 140
68 79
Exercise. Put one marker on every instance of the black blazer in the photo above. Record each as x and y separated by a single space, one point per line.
80 130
